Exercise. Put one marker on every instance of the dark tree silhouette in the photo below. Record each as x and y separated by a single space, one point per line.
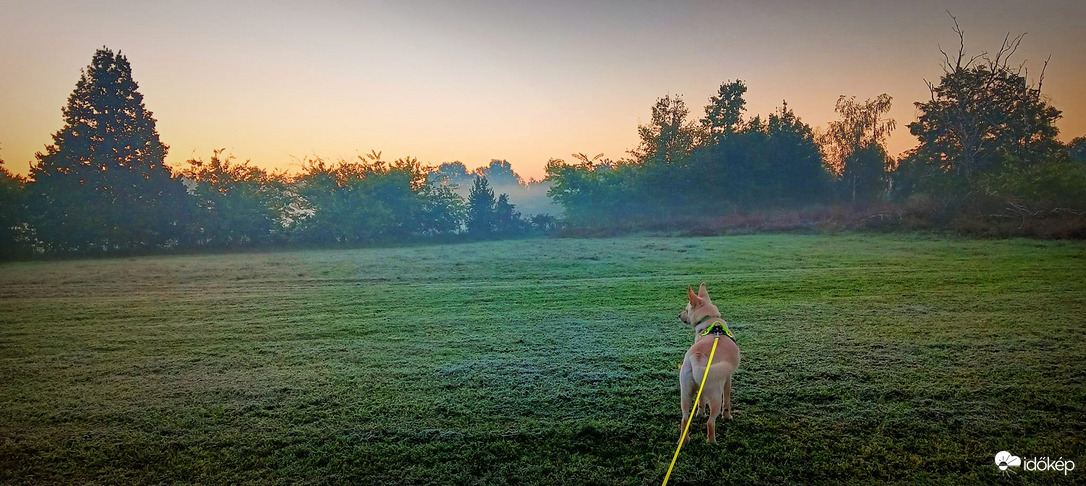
982 111
1076 149
237 204
772 163
12 211
669 137
855 146
795 171
102 185
442 210
507 220
371 201
481 217
724 113
500 173
450 174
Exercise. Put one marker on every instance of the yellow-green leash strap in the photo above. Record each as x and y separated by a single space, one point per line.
697 401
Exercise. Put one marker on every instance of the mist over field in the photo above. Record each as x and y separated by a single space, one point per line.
529 196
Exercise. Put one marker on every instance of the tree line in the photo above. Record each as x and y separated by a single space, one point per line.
102 186
987 152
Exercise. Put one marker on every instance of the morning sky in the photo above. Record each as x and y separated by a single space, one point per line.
522 80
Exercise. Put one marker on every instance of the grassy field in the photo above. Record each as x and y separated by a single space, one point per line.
866 359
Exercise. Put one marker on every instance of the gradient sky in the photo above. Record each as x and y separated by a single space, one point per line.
471 81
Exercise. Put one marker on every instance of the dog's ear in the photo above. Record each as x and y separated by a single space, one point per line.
704 294
694 299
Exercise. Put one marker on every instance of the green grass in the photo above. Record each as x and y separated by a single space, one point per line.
866 359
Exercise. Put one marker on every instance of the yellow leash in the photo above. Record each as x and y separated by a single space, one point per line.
697 402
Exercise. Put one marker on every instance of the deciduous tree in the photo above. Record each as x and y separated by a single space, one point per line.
724 113
499 173
982 110
855 145
372 201
1076 149
669 137
237 204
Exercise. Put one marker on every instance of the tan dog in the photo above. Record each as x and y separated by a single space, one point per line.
704 316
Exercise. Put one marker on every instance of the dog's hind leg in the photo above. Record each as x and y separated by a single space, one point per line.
686 398
701 409
715 399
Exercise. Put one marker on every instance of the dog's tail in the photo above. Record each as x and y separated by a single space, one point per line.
717 365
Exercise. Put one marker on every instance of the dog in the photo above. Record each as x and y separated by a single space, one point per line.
704 317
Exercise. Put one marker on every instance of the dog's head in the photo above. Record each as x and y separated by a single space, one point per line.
698 306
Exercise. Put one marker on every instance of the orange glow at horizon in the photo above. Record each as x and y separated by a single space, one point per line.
519 81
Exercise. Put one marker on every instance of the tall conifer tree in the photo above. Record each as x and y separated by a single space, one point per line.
102 185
